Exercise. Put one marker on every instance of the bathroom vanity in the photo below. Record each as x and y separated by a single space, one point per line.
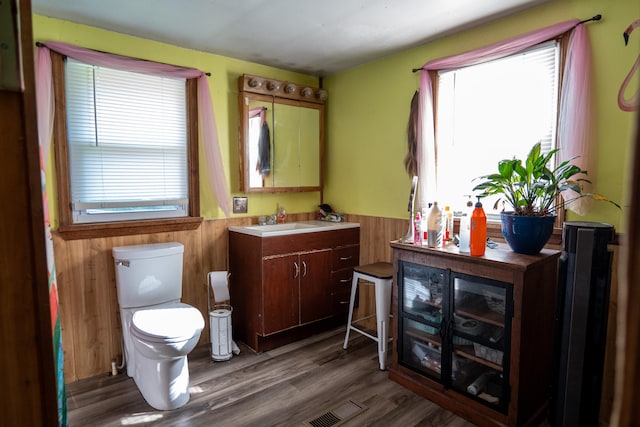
290 280
475 334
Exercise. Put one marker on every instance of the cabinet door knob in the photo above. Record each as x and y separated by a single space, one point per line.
304 269
345 258
297 270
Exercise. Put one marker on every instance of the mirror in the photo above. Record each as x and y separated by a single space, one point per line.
281 136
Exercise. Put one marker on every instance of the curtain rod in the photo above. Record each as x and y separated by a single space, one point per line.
40 44
594 18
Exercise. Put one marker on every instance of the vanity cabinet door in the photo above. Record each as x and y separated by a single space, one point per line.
315 292
280 299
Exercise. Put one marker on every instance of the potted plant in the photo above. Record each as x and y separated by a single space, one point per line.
530 188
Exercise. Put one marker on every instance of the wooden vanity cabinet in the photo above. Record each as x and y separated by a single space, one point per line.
295 289
284 288
475 334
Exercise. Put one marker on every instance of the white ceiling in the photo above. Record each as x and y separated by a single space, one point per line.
313 37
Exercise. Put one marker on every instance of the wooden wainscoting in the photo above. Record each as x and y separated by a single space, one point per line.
90 319
91 331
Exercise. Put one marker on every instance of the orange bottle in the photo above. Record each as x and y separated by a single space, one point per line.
478 239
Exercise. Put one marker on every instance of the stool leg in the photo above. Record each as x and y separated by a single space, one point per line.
383 304
352 299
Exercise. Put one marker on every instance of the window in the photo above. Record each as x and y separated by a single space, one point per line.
129 146
493 111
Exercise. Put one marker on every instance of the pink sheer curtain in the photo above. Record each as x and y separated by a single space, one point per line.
44 100
574 135
206 118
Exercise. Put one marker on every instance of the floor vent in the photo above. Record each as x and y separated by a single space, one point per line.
338 415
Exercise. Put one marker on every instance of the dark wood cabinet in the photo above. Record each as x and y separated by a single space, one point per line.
343 259
315 290
475 334
280 294
286 287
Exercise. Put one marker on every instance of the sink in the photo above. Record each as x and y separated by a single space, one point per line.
280 227
292 228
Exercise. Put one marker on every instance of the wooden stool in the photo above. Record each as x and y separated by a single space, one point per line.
379 274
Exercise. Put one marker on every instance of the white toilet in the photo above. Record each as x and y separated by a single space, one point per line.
158 330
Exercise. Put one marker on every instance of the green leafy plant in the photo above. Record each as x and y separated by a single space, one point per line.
530 188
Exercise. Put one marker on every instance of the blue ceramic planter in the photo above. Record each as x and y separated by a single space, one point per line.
526 234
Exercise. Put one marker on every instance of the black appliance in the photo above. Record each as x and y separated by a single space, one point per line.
584 283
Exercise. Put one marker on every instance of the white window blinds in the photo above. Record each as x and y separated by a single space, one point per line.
493 111
127 137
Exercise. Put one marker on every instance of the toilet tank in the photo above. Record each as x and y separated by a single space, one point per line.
148 274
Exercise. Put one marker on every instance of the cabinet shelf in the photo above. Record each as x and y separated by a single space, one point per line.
495 311
477 309
423 336
467 352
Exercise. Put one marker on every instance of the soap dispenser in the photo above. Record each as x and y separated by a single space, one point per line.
282 215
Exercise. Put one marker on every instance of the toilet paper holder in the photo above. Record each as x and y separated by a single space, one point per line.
218 283
220 315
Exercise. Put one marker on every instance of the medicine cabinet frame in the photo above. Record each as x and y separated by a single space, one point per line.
303 170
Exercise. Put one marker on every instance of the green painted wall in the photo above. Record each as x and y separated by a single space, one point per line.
224 92
368 109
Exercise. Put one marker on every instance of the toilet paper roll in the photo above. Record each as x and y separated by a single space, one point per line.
218 283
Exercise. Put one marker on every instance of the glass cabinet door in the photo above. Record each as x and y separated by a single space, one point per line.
481 314
421 298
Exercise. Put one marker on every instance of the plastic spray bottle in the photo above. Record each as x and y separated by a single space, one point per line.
478 233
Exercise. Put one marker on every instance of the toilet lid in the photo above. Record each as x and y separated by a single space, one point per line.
168 323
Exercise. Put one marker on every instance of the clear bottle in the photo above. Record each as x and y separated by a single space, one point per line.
417 229
434 227
448 224
425 232
465 228
478 233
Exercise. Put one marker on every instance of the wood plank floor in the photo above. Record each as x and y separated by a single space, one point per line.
282 387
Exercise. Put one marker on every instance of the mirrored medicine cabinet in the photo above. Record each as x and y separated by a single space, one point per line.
281 135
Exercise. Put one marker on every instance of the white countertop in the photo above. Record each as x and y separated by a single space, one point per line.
297 227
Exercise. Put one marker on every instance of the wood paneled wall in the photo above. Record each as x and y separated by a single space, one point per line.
91 331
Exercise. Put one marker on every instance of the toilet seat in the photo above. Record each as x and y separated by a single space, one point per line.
168 323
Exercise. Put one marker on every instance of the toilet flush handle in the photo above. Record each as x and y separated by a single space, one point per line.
122 262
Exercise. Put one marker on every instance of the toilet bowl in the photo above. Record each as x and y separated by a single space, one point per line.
162 336
158 330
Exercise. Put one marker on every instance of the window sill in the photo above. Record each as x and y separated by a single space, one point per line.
126 228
